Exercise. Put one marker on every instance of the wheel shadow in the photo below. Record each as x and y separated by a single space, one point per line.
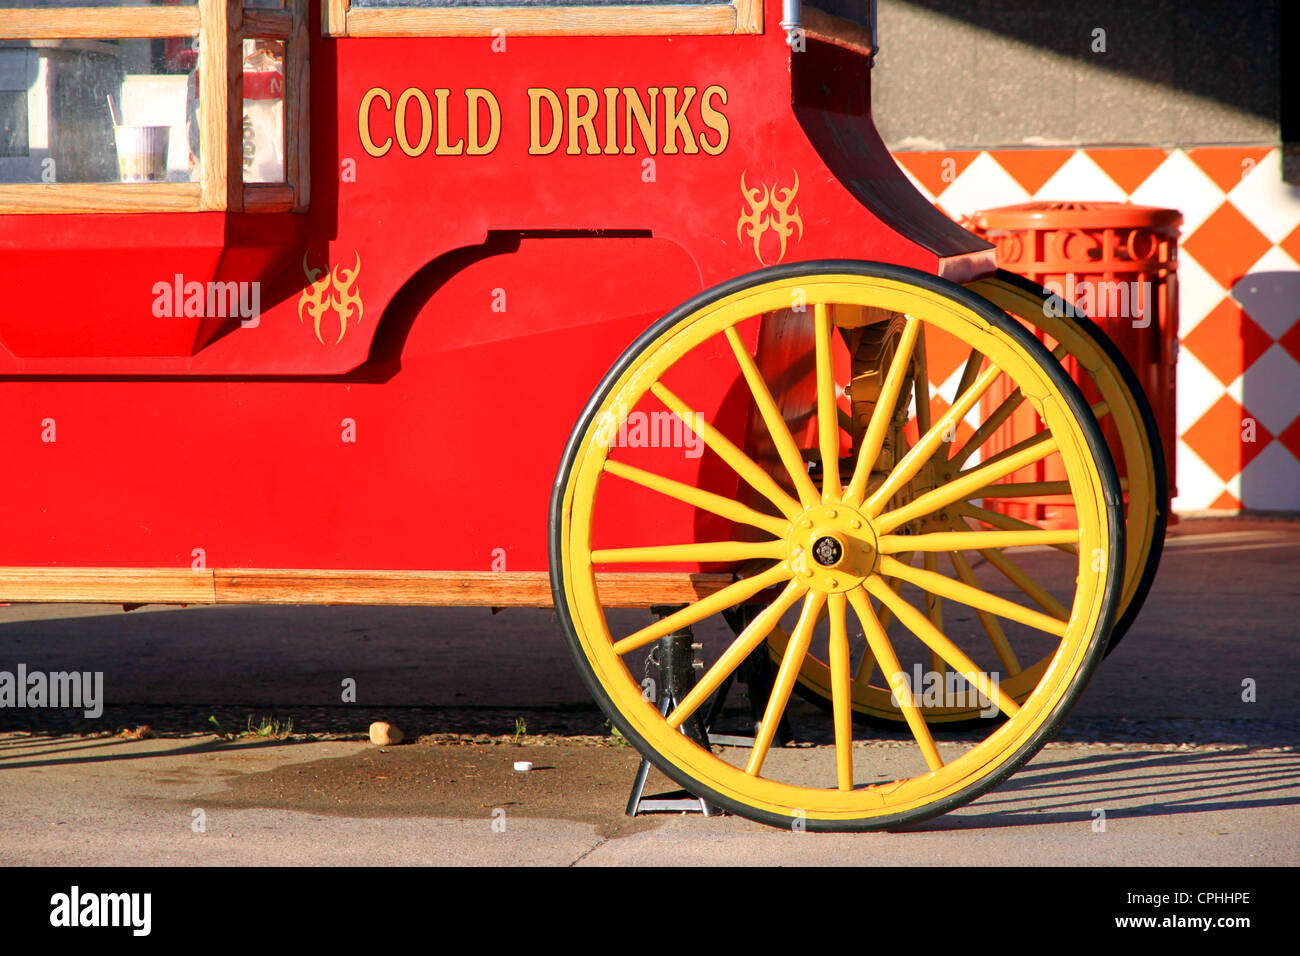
25 753
1126 785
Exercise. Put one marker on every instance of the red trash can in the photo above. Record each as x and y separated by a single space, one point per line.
1118 263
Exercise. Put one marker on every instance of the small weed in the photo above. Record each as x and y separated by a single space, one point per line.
269 728
616 737
266 728
521 729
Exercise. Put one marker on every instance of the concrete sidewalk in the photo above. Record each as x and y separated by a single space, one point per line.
1185 770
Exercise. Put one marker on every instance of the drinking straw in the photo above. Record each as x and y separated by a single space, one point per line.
111 112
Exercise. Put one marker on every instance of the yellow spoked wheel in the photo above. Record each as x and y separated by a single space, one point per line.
1121 403
822 554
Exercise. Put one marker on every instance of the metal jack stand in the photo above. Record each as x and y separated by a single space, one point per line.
675 655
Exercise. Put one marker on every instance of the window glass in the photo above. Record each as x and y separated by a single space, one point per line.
95 111
263 111
451 4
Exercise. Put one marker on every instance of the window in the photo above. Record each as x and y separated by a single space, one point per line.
357 18
142 106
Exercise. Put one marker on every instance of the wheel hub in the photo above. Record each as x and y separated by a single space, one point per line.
828 551
832 548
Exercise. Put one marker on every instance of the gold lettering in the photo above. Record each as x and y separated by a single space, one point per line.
535 97
611 120
363 121
645 119
443 149
715 120
473 98
675 121
426 121
582 120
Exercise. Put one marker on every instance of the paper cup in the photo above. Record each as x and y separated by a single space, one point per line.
142 153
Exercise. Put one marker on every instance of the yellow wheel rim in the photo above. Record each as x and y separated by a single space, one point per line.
828 550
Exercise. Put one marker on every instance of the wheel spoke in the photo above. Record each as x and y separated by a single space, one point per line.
1024 489
975 540
883 414
879 643
828 422
841 691
697 551
790 664
1035 439
1099 411
992 627
965 485
722 446
697 497
970 596
971 369
933 609
753 635
775 422
918 624
1008 523
714 603
1033 590
989 426
925 448
885 615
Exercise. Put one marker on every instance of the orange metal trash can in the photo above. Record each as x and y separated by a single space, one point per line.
1118 263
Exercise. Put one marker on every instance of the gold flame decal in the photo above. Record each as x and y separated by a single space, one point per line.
331 291
769 208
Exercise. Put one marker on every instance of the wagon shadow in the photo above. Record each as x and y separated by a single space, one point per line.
1165 784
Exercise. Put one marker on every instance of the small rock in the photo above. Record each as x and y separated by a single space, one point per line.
383 734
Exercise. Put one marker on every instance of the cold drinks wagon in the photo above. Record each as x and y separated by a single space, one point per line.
614 307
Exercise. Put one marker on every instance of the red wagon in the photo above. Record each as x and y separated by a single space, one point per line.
307 305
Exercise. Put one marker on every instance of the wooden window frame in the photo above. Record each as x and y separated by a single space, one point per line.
221 80
338 19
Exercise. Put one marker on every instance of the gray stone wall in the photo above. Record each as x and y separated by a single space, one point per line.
980 73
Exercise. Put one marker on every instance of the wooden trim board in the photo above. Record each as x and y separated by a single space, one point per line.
99 23
273 586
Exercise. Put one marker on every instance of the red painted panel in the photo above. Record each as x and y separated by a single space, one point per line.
134 439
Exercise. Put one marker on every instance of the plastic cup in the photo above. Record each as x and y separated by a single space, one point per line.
142 153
